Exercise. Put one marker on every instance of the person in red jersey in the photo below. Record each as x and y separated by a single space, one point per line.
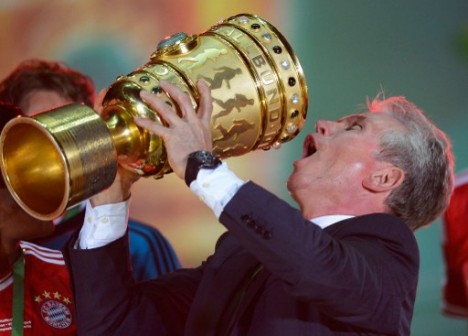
35 293
47 300
455 248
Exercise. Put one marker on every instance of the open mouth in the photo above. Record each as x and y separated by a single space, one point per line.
309 146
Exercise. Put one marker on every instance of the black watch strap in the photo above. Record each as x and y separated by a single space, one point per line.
198 160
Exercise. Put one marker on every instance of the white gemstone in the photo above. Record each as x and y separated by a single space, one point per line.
267 36
295 99
285 64
276 145
291 128
243 19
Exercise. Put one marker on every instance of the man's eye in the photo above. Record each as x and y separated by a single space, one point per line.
354 126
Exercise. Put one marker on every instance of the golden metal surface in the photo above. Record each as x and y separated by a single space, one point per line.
57 159
259 102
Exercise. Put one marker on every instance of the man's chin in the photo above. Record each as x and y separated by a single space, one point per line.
290 185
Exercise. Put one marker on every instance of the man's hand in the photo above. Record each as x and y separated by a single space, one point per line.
99 99
120 189
185 134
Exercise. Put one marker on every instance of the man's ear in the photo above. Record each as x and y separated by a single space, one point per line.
385 179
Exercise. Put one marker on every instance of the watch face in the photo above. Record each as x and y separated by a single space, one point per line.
202 156
206 159
198 160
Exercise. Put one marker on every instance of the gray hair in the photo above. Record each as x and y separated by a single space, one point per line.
424 153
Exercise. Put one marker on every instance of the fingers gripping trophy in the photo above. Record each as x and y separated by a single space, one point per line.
56 159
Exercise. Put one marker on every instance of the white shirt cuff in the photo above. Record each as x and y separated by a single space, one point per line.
216 187
103 224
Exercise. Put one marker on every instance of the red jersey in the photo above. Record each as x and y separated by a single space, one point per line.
455 247
48 303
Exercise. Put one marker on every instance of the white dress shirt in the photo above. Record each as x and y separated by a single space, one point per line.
103 224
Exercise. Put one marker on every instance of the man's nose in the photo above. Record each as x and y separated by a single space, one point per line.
325 127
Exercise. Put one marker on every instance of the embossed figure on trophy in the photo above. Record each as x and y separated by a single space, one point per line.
223 74
198 60
232 133
238 127
237 103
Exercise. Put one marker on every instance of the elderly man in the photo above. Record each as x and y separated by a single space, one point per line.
346 263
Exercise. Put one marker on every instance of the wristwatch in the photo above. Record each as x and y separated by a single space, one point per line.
198 160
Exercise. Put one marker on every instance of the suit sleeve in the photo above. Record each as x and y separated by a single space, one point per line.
109 302
357 276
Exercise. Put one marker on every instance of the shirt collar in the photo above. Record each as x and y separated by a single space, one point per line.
325 221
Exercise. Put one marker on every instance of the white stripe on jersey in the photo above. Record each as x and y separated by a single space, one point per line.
461 178
5 282
43 253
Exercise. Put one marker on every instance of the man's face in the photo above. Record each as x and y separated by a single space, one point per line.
337 158
16 224
42 100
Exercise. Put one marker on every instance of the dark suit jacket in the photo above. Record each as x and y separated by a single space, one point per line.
274 273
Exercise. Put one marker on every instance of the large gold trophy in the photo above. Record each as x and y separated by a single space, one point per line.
56 159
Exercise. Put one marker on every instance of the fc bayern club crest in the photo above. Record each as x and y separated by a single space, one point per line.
56 314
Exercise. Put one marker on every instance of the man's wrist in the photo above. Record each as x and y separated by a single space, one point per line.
199 160
216 187
103 224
